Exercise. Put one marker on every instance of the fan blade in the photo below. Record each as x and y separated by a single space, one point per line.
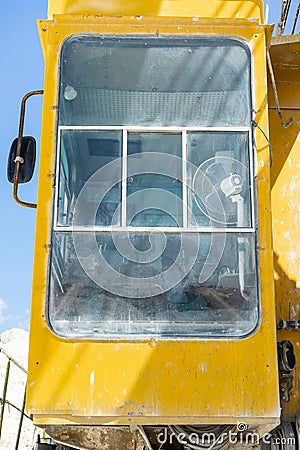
216 172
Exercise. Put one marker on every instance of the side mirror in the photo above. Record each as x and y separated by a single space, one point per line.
26 158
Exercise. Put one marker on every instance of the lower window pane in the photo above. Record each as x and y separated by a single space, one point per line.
133 285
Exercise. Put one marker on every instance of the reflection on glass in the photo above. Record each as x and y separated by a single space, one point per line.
134 283
146 81
218 306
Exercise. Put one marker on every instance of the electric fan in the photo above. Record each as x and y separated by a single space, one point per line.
218 187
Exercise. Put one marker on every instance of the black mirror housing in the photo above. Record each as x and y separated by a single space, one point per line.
28 155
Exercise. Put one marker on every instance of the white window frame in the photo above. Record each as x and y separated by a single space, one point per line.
180 130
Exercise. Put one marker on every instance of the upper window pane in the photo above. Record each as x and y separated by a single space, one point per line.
218 179
154 82
90 159
154 199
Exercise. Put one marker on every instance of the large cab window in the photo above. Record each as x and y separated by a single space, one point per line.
154 224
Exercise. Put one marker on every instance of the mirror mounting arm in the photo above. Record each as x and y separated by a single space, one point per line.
18 159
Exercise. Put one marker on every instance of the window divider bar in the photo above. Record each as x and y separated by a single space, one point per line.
251 176
124 179
173 230
184 180
149 129
57 178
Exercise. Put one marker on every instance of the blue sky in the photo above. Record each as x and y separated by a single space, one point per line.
22 71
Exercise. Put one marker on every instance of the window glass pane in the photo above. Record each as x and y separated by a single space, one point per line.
218 179
154 81
123 280
90 178
113 285
64 198
154 192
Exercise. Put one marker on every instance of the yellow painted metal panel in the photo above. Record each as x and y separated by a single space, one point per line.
285 179
198 381
285 53
248 9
